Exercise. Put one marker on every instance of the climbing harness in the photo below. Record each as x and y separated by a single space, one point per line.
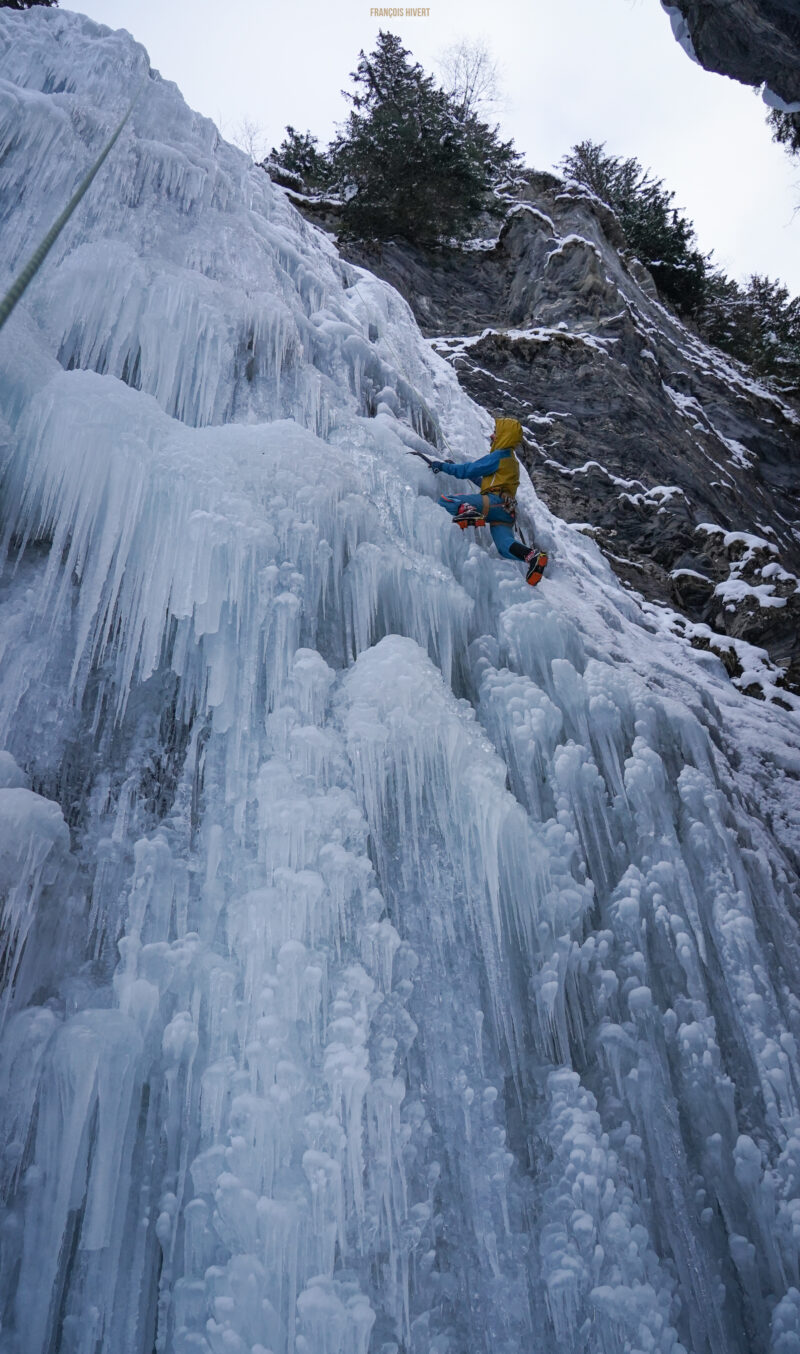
507 502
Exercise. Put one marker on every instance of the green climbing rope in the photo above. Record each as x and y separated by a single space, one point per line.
38 257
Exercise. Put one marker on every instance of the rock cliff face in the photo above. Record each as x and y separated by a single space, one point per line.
755 41
682 467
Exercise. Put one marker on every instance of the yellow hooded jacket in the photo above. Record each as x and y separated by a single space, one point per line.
505 479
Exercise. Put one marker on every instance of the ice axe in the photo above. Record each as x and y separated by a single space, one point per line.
429 460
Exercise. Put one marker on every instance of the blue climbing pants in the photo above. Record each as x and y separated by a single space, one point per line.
500 523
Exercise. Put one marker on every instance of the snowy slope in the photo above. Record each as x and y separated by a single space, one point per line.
393 958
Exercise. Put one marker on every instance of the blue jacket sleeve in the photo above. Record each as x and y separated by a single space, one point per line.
475 470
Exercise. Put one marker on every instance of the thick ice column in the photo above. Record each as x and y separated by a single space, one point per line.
463 873
76 1188
282 1187
34 851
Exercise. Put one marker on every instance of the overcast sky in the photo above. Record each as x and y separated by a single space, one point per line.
608 70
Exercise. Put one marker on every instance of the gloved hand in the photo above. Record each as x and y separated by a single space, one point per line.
436 466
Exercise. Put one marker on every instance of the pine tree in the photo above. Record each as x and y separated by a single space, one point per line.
759 324
726 320
410 162
298 157
24 4
785 129
775 331
657 232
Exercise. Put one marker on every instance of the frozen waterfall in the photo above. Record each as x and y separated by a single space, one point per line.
394 960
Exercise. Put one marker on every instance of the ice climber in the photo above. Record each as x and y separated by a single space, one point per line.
496 504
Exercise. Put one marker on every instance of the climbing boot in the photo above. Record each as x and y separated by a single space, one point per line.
536 561
467 516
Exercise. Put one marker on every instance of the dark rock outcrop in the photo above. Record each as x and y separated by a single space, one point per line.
683 468
754 41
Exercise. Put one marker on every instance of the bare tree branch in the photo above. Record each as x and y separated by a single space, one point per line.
471 77
250 137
